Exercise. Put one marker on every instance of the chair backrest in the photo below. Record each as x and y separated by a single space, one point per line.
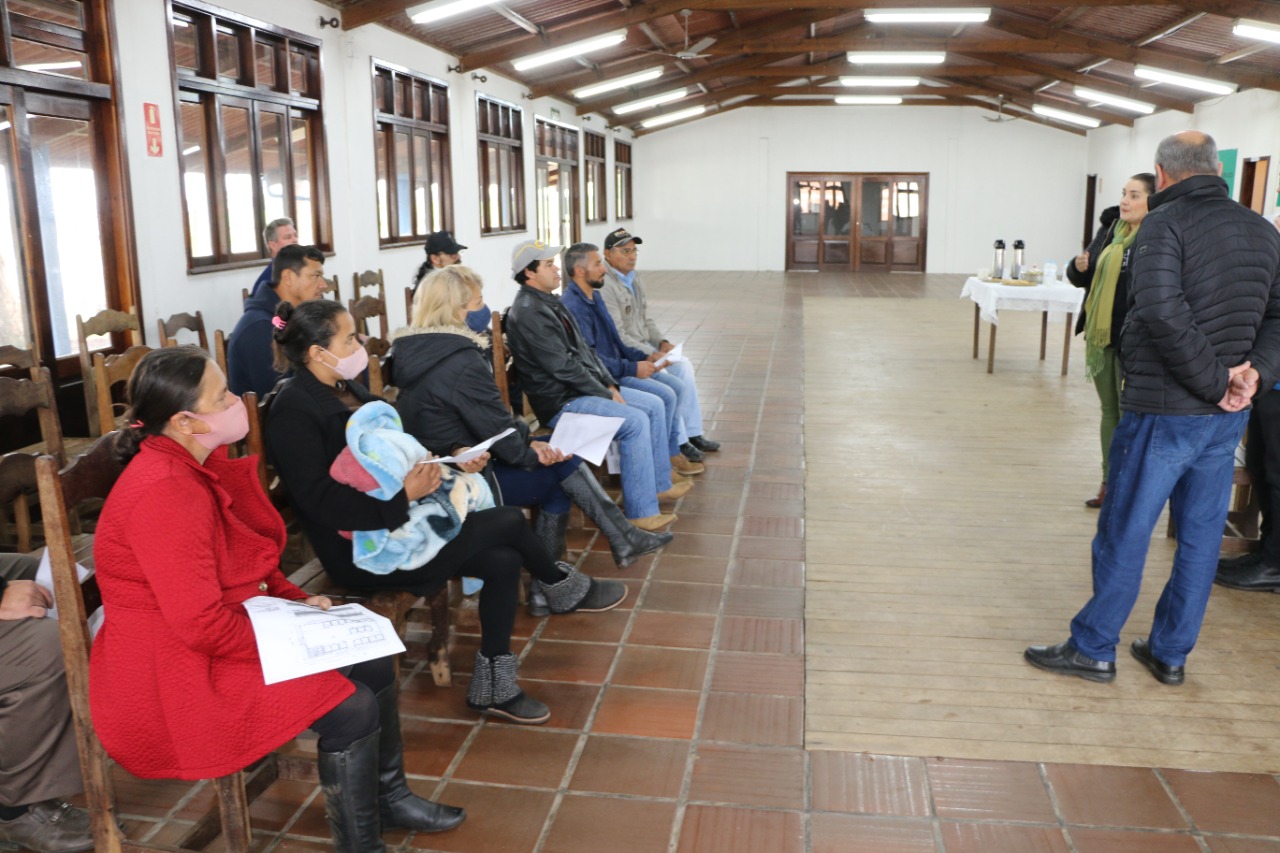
244 295
255 440
220 350
368 278
25 359
105 322
500 360
334 291
408 306
169 329
17 483
19 396
107 372
90 475
367 308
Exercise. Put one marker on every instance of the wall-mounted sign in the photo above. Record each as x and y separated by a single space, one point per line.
155 147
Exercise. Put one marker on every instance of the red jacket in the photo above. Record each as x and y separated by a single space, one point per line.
175 683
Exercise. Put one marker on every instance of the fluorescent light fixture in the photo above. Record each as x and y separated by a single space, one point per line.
926 16
4 125
1200 84
50 66
681 115
1063 115
546 57
867 100
187 152
1256 30
1114 100
879 81
649 103
889 57
618 83
440 9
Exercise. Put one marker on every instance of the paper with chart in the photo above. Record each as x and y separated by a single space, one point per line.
296 639
676 353
587 436
472 452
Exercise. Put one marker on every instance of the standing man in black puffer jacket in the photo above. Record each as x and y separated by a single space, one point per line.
1203 331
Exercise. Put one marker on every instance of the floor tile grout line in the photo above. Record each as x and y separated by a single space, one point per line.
1055 805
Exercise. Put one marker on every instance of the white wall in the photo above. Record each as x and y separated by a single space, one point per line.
1248 121
712 194
146 76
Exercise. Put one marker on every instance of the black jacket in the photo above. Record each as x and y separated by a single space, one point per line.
555 363
448 398
305 432
1101 240
1205 296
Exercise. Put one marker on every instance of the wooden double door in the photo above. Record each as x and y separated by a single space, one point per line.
857 221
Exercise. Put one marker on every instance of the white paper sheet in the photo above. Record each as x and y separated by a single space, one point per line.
472 452
675 354
44 577
587 436
295 639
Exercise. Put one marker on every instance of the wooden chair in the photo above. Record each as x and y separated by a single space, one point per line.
91 476
19 396
17 484
220 350
396 605
334 291
169 329
408 306
368 278
501 361
103 323
107 372
23 359
378 385
367 308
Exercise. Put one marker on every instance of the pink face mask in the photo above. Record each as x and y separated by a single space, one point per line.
225 427
351 366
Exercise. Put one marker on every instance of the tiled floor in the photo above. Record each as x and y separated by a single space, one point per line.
678 719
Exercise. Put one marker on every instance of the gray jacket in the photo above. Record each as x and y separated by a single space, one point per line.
630 312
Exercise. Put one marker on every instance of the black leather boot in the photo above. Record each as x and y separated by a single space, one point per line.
398 806
350 783
627 542
549 528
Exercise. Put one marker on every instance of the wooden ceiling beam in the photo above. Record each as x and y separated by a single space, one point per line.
568 34
741 68
373 11
1027 100
1125 53
859 42
1258 10
1066 75
1165 32
580 78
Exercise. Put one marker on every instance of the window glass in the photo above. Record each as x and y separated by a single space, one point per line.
304 179
68 13
421 184
265 61
48 59
15 327
66 193
382 137
195 179
272 174
297 72
238 180
437 192
228 54
186 43
413 173
404 197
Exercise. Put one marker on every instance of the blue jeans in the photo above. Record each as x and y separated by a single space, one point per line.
1186 460
536 487
635 391
646 469
690 405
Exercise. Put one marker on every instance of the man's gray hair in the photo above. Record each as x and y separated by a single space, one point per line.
1185 154
269 233
576 255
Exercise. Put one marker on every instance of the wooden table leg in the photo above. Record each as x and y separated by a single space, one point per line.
1044 331
991 351
975 329
1066 345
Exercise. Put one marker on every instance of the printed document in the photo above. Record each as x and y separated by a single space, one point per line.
472 452
676 353
587 436
296 639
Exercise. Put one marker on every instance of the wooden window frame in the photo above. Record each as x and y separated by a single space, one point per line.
507 137
623 175
560 144
204 85
98 99
434 128
594 161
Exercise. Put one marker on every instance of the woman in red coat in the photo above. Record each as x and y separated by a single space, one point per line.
176 685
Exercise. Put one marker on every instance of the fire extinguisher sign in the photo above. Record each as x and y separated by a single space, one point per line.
155 146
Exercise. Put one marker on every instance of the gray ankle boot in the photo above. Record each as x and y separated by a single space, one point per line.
577 592
349 780
549 528
627 542
494 690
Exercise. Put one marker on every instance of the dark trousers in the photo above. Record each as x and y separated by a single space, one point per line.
536 487
1262 458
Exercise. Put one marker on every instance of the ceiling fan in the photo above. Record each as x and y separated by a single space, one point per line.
689 51
1000 116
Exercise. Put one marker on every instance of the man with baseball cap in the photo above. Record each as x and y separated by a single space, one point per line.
625 300
561 373
444 251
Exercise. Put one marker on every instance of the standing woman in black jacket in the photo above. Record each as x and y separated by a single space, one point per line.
306 430
1104 270
448 399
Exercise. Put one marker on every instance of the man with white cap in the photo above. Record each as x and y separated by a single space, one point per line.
625 300
561 373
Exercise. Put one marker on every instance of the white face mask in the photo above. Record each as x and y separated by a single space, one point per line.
351 366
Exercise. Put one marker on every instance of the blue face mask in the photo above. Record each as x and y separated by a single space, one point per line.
478 320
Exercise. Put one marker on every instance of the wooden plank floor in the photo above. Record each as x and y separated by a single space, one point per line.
945 531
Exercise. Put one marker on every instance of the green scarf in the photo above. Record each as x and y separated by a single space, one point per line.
1102 296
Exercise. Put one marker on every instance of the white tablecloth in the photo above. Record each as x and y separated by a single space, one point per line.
1059 298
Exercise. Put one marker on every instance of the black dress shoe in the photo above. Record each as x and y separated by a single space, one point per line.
704 444
693 454
1253 577
1247 561
1165 674
1065 660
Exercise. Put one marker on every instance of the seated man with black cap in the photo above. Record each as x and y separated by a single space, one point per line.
444 251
